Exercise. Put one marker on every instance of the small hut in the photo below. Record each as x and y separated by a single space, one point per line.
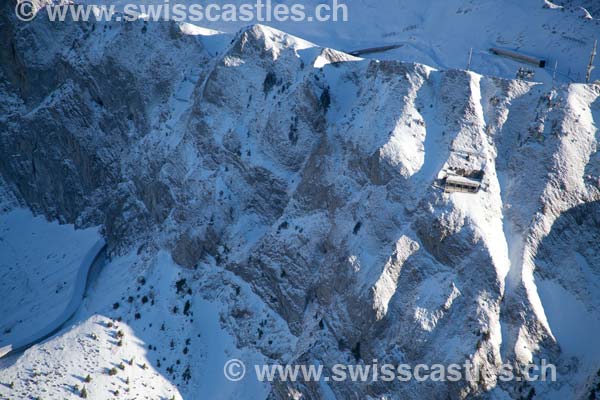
457 183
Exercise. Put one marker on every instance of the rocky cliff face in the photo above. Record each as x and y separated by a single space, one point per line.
314 177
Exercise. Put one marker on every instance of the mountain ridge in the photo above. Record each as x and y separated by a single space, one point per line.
310 175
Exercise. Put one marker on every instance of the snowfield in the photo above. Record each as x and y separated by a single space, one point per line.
441 34
154 352
43 270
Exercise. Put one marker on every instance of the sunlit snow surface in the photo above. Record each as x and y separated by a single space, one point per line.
441 33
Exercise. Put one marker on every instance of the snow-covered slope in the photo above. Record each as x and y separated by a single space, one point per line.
152 348
43 267
442 33
296 189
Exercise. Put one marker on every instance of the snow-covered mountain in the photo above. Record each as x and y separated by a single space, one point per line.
441 34
272 200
